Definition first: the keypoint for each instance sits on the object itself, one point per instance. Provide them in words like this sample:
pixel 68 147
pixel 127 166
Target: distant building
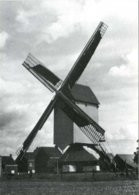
pixel 42 160
pixel 136 154
pixel 47 159
pixel 78 159
pixel 65 131
pixel 136 157
pixel 7 165
pixel 27 163
pixel 50 160
pixel 124 162
pixel 30 162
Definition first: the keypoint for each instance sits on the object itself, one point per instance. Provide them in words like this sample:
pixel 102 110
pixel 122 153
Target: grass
pixel 43 187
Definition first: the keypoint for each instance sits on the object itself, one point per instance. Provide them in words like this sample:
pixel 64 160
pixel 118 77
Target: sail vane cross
pixel 62 91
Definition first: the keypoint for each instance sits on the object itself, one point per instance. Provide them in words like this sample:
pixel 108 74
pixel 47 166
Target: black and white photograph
pixel 69 97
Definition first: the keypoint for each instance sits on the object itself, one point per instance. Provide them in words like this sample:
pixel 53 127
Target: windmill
pixel 63 97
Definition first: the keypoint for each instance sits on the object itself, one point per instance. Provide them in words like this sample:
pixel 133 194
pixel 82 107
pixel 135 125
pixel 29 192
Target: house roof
pixel 127 158
pixel 84 94
pixel 50 151
pixel 76 153
pixel 29 155
pixel 7 160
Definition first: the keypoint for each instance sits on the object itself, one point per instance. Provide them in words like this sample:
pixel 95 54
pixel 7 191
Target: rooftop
pixel 29 155
pixel 76 153
pixel 7 160
pixel 127 158
pixel 84 94
pixel 50 151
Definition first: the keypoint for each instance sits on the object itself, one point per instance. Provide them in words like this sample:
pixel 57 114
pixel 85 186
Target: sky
pixel 55 31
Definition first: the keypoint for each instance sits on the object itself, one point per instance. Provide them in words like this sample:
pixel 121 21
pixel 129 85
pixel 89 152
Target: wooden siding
pixel 63 129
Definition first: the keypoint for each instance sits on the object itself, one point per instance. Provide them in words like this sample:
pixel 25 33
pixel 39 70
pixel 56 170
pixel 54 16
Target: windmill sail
pixel 85 56
pixel 87 125
pixel 44 75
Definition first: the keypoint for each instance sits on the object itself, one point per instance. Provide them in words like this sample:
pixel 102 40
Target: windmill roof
pixel 84 94
pixel 128 158
pixel 76 153
pixel 50 151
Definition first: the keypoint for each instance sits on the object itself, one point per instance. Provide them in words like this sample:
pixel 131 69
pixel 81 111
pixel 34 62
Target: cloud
pixel 20 110
pixel 119 71
pixel 126 70
pixel 22 17
pixel 3 38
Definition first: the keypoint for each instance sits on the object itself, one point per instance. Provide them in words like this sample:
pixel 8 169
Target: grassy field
pixel 42 187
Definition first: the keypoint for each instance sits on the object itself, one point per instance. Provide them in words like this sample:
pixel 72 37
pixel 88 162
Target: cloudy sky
pixel 55 31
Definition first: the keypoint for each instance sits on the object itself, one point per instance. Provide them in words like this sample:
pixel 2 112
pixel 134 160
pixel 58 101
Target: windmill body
pixel 65 131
